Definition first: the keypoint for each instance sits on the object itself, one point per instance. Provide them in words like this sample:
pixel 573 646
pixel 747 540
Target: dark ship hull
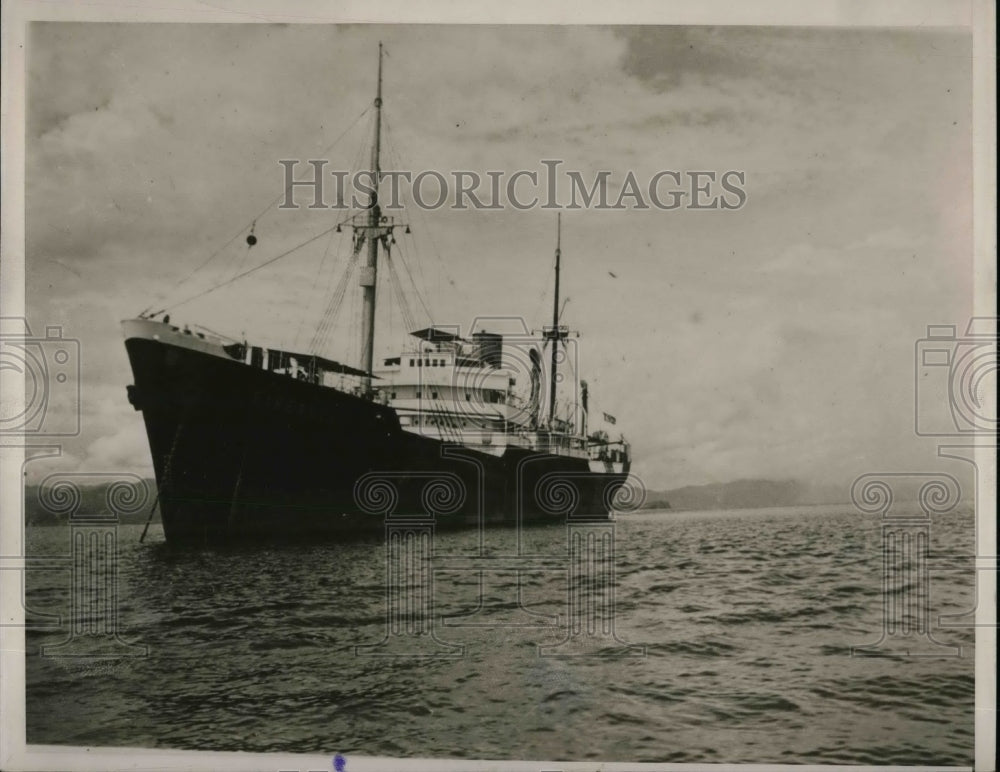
pixel 245 454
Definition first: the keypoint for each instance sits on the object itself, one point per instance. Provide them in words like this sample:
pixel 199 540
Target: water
pixel 747 618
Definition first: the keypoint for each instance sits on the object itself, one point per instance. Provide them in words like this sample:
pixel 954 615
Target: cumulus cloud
pixel 771 341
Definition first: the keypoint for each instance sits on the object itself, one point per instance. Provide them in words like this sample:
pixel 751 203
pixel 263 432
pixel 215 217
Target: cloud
pixel 664 57
pixel 770 341
pixel 122 451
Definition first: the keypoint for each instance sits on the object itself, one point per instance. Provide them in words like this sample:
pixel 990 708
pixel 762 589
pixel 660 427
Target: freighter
pixel 251 443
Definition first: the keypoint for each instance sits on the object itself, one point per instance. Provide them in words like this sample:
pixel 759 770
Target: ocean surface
pixel 747 619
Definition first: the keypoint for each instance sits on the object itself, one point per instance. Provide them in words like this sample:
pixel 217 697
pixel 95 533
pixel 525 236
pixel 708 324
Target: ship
pixel 253 444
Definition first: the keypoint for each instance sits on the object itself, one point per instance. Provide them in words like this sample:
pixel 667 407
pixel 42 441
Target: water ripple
pixel 748 619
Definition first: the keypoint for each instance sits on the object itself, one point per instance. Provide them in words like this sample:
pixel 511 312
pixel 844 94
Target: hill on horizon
pixel 745 494
pixel 738 494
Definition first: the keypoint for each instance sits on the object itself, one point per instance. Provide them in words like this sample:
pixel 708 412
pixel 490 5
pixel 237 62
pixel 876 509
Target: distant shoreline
pixel 739 494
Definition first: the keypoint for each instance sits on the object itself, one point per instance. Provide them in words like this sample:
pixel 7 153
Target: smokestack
pixel 488 348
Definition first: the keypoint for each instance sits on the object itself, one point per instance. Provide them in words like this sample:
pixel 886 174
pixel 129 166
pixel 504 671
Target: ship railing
pixel 557 443
pixel 447 424
pixel 614 451
pixel 221 337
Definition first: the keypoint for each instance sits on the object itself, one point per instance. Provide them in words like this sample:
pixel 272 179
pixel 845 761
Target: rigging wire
pixel 416 290
pixel 390 278
pixel 257 267
pixel 397 288
pixel 391 324
pixel 317 281
pixel 395 161
pixel 443 271
pixel 394 158
pixel 264 211
pixel 234 264
pixel 321 334
pixel 358 163
pixel 354 327
pixel 544 295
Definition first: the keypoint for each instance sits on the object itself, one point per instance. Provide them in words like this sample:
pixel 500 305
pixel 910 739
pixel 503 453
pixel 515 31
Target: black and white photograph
pixel 530 390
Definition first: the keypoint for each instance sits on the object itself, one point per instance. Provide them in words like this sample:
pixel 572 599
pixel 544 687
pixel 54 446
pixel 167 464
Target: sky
pixel 772 341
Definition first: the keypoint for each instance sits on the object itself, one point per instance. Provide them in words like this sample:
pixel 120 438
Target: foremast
pixel 369 273
pixel 370 230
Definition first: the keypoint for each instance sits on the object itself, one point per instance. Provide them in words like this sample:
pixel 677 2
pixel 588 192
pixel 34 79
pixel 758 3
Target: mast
pixel 369 273
pixel 555 327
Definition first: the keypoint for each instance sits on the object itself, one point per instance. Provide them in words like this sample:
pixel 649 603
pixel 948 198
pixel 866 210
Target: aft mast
pixel 555 326
pixel 556 332
pixel 369 272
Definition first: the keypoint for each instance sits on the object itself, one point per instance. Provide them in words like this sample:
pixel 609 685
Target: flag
pixel 609 418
